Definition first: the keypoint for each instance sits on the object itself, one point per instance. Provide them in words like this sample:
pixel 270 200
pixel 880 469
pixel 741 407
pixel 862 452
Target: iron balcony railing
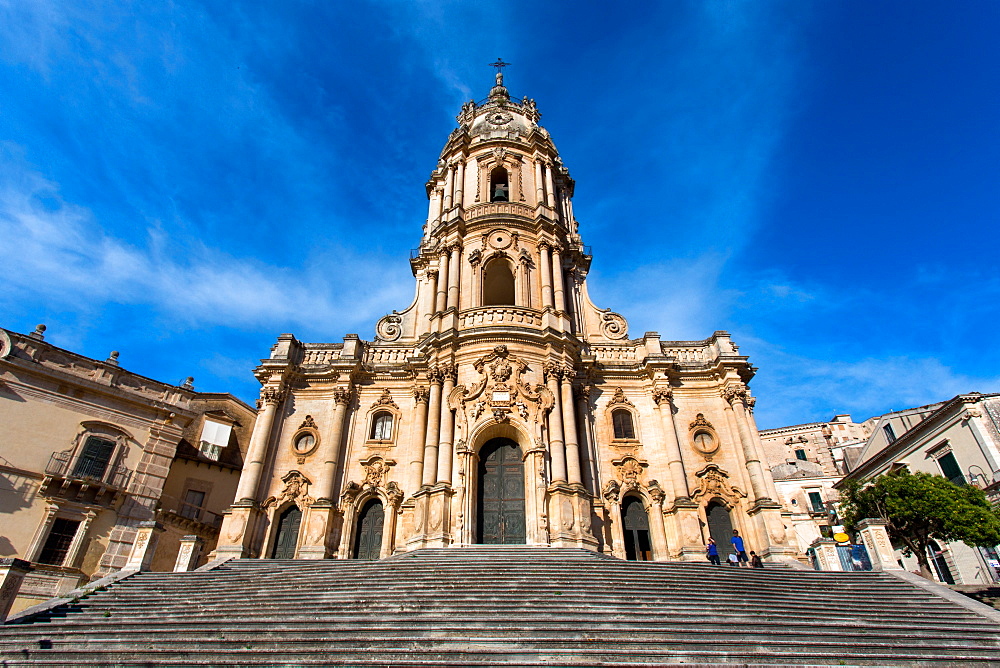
pixel 64 465
pixel 190 511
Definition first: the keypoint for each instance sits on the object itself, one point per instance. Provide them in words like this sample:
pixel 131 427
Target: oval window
pixel 305 443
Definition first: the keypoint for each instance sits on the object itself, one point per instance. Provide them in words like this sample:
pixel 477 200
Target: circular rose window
pixel 705 442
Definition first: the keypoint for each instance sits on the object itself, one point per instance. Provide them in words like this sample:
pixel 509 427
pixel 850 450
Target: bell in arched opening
pixel 499 185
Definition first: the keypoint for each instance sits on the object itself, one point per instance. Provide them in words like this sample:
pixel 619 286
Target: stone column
pixel 448 185
pixel 876 541
pixel 573 475
pixel 454 276
pixel 546 273
pixel 539 187
pixel 557 449
pixel 326 486
pixel 144 547
pixel 445 451
pixel 476 298
pixel 433 208
pixel 826 554
pixel 442 285
pixel 735 396
pixel 438 202
pixel 559 296
pixel 460 183
pixel 550 190
pixel 583 434
pixel 427 306
pixel 270 398
pixel 661 550
pixel 612 503
pixel 524 284
pixel 433 426
pixel 420 396
pixel 772 489
pixel 189 554
pixel 675 462
pixel 12 572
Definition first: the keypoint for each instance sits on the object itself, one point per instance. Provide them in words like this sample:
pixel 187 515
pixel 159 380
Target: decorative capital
pixel 583 392
pixel 735 393
pixel 270 396
pixel 342 395
pixel 420 394
pixel 544 245
pixel 663 395
pixel 552 370
pixel 448 371
pixel 656 492
pixel 611 491
pixel 751 402
pixel 434 375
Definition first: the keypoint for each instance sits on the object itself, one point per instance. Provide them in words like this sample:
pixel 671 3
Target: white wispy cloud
pixel 58 252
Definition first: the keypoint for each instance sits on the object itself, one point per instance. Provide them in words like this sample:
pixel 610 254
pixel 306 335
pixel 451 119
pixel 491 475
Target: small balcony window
pixel 192 506
pixel 94 459
pixel 622 421
pixel 800 454
pixel 816 502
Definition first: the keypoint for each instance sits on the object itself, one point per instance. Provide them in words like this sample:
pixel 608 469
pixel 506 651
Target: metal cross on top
pixel 499 65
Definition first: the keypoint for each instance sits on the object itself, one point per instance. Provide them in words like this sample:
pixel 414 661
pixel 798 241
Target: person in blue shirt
pixel 713 552
pixel 741 553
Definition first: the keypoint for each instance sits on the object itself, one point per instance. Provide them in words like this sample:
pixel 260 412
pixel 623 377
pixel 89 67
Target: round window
pixel 705 442
pixel 305 443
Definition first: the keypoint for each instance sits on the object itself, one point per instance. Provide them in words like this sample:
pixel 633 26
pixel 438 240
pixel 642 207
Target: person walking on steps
pixel 755 561
pixel 741 552
pixel 713 552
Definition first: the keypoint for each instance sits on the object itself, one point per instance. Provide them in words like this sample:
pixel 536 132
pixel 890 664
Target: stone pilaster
pixel 189 554
pixel 826 554
pixel 876 541
pixel 12 572
pixel 146 539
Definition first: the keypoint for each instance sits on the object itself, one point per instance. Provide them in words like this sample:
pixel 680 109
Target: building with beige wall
pixel 959 439
pixel 88 450
pixel 502 405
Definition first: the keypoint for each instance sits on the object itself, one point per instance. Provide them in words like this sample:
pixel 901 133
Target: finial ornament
pixel 499 65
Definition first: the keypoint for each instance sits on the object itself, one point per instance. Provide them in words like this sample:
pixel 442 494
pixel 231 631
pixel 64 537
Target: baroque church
pixel 502 406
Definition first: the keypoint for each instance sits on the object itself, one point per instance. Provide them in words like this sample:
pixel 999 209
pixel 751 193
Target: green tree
pixel 919 508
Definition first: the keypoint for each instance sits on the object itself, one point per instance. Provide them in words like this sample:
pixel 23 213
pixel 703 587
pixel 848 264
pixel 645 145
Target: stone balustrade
pixel 501 315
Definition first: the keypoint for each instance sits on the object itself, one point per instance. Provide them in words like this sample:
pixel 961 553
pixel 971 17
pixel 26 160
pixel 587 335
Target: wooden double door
pixel 500 497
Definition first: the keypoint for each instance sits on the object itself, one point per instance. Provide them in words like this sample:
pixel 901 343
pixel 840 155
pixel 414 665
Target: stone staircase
pixel 490 606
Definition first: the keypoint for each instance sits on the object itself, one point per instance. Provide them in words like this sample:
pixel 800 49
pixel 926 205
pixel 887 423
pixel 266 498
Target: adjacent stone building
pixel 502 405
pixel 89 451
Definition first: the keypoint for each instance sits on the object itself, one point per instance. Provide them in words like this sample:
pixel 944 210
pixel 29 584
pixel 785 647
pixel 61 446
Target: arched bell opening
pixel 368 533
pixel 635 527
pixel 500 499
pixel 286 537
pixel 499 185
pixel 720 526
pixel 498 283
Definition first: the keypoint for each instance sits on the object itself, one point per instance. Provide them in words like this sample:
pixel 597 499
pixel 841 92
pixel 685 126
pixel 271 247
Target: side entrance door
pixel 368 539
pixel 501 493
pixel 288 534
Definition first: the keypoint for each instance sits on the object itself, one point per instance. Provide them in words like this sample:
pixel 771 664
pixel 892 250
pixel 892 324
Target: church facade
pixel 502 405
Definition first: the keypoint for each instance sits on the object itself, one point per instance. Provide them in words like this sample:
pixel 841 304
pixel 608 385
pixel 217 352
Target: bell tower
pixel 502 405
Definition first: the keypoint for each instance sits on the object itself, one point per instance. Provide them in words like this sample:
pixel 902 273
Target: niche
pixel 498 283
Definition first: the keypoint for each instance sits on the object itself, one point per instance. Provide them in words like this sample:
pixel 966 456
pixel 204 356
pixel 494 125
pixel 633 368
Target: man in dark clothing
pixel 755 561
pixel 741 553
pixel 713 552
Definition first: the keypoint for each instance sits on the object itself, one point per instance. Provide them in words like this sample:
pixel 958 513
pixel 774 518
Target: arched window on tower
pixel 622 420
pixel 499 185
pixel 498 283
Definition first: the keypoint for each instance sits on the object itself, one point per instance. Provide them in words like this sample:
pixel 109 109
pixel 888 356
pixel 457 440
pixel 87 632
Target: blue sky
pixel 184 181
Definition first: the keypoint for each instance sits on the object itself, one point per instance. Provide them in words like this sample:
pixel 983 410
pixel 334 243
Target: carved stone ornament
pixel 270 396
pixel 420 394
pixel 619 398
pixel 612 491
pixel 342 395
pixel 385 400
pixel 308 423
pixel 656 492
pixel 714 482
pixel 376 471
pixel 700 421
pixel 630 471
pixel 296 490
pixel 394 495
pixel 735 393
pixel 663 395
pixel 613 325
pixel 388 328
pixel 501 391
pixel 351 491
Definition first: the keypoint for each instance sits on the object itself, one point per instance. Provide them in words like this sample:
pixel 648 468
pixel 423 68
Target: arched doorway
pixel 368 537
pixel 288 533
pixel 720 527
pixel 500 494
pixel 635 526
